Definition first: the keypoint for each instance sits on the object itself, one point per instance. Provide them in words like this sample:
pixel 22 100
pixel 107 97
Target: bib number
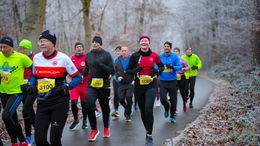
pixel 167 69
pixel 5 76
pixel 25 81
pixel 187 77
pixel 178 77
pixel 97 82
pixel 45 85
pixel 145 80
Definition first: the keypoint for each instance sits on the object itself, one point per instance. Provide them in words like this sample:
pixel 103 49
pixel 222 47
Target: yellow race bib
pixel 97 82
pixel 187 77
pixel 45 85
pixel 145 80
pixel 167 69
pixel 25 81
pixel 5 76
pixel 178 76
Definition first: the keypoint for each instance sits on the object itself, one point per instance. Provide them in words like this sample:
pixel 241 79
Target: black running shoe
pixel 149 140
pixel 74 125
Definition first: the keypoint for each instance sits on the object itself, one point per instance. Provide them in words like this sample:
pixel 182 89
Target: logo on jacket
pixel 82 63
pixel 54 63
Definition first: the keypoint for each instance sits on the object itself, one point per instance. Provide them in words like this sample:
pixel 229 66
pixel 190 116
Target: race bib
pixel 167 69
pixel 187 78
pixel 97 82
pixel 178 76
pixel 45 85
pixel 5 76
pixel 25 81
pixel 145 80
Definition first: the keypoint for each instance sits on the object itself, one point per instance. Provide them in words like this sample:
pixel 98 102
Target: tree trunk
pixel 34 21
pixel 87 26
pixel 141 20
pixel 102 17
pixel 125 17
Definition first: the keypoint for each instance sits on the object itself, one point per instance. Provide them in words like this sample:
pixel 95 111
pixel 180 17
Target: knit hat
pixel 97 39
pixel 143 37
pixel 170 44
pixel 26 44
pixel 78 43
pixel 188 48
pixel 7 40
pixel 49 36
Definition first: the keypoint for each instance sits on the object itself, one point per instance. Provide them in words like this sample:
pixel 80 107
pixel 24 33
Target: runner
pixel 168 82
pixel 80 91
pixel 195 64
pixel 142 65
pixel 115 85
pixel 125 83
pixel 99 64
pixel 25 47
pixel 12 66
pixel 181 79
pixel 50 68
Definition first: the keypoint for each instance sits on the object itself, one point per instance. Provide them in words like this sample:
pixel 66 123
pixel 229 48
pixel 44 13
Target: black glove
pixel 29 89
pixel 80 70
pixel 169 66
pixel 138 69
pixel 60 90
pixel 154 72
pixel 194 67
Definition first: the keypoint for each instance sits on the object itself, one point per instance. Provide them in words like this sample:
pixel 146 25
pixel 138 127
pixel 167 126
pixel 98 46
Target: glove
pixel 80 70
pixel 60 90
pixel 29 89
pixel 154 72
pixel 169 66
pixel 194 67
pixel 138 69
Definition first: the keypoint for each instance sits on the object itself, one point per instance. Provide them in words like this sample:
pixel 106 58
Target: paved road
pixel 133 134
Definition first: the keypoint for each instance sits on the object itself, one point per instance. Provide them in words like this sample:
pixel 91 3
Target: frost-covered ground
pixel 232 116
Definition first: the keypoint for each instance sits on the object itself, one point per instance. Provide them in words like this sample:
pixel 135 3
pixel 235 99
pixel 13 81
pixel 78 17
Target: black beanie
pixel 97 39
pixel 170 44
pixel 49 36
pixel 78 43
pixel 7 40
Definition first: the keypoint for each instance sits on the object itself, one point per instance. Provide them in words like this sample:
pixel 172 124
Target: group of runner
pixel 26 77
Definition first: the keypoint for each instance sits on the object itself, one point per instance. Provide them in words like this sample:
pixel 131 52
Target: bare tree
pixel 86 23
pixel 34 20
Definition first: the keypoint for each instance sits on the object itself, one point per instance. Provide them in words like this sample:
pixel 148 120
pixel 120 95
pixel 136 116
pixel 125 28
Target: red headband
pixel 143 37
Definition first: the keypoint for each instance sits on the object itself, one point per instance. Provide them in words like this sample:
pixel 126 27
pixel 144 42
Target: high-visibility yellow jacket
pixel 192 60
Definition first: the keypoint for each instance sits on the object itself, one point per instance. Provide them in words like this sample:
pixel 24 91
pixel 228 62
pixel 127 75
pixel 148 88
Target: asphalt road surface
pixel 133 133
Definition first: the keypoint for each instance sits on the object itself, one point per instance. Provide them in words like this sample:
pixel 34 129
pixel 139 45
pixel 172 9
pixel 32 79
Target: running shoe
pixel 166 114
pixel 14 144
pixel 191 106
pixel 115 114
pixel 149 140
pixel 84 124
pixel 93 135
pixel 29 140
pixel 136 107
pixel 106 132
pixel 25 143
pixel 172 120
pixel 74 125
pixel 185 108
pixel 128 119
